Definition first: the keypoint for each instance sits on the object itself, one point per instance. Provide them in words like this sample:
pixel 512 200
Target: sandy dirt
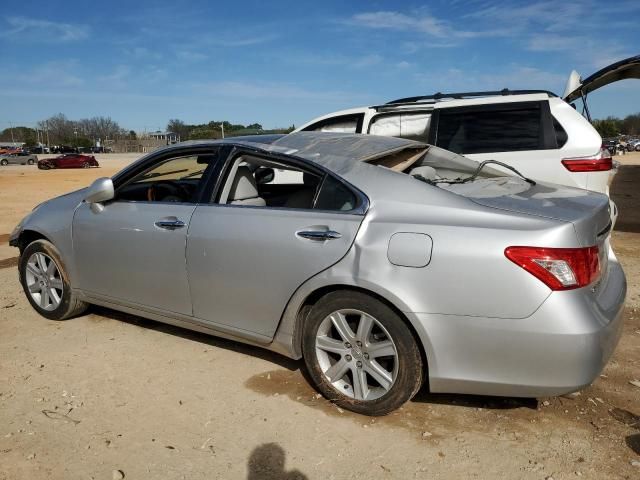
pixel 109 395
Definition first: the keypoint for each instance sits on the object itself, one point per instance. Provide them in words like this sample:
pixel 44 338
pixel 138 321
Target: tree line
pixel 215 129
pixel 614 126
pixel 60 130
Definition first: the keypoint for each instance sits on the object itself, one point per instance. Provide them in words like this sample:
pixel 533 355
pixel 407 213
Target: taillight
pixel 558 268
pixel 598 163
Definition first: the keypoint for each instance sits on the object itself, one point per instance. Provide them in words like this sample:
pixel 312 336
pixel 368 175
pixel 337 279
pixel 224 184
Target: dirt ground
pixel 110 395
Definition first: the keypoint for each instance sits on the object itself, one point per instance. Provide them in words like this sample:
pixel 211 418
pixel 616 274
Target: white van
pixel 540 134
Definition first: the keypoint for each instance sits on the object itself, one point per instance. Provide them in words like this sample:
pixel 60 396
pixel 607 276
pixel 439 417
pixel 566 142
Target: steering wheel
pixel 167 191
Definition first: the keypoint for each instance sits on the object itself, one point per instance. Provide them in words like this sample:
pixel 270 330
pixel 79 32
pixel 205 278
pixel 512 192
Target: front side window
pixel 260 182
pixel 412 126
pixel 488 129
pixel 176 179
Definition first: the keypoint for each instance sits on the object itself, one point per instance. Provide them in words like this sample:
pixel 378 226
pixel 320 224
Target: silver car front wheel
pixel 43 281
pixel 360 353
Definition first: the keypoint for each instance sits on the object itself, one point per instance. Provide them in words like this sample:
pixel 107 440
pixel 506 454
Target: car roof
pixel 334 151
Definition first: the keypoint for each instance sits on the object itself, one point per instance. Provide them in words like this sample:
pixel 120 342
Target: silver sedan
pixel 384 263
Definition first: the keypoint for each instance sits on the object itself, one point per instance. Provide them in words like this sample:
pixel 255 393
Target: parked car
pixel 381 261
pixel 64 149
pixel 613 146
pixel 633 145
pixel 18 158
pixel 39 149
pixel 69 160
pixel 534 131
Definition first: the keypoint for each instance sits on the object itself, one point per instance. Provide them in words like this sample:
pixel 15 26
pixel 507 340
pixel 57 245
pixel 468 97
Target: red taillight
pixel 598 163
pixel 558 268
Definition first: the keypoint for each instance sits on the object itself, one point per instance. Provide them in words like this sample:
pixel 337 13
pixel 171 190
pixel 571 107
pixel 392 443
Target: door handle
pixel 169 223
pixel 319 234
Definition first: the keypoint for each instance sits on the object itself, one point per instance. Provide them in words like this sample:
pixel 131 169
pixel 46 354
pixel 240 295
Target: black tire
pixel 409 374
pixel 30 162
pixel 70 306
pixel 86 165
pixel 4 162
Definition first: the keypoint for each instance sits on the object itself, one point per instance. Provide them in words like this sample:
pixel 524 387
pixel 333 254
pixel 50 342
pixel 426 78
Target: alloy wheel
pixel 356 354
pixel 44 281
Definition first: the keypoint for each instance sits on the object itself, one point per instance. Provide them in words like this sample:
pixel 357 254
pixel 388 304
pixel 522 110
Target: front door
pixel 248 253
pixel 133 251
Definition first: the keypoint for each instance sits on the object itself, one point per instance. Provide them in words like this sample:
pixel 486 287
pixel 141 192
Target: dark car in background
pixel 70 160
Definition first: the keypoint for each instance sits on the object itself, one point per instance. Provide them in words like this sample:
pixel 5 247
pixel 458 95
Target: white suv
pixel 541 135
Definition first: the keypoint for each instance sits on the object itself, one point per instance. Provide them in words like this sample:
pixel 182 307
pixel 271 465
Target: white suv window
pixel 507 128
pixel 341 124
pixel 413 126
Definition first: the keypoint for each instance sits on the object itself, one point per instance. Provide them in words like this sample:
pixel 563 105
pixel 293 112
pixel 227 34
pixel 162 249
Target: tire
pixel 638 148
pixel 328 353
pixel 55 300
pixel 30 162
pixel 86 165
pixel 4 162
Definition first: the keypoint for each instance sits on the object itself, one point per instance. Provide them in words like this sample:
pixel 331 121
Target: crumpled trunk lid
pixel 588 211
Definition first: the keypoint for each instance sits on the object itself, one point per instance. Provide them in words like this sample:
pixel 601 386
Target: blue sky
pixel 281 63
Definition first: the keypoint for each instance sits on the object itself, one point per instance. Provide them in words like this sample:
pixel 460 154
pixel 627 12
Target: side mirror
pixel 101 190
pixel 264 175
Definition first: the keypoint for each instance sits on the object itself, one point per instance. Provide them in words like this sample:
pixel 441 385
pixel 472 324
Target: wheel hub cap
pixel 356 354
pixel 44 281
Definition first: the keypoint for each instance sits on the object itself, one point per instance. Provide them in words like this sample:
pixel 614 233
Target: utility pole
pixel 11 128
pixel 222 128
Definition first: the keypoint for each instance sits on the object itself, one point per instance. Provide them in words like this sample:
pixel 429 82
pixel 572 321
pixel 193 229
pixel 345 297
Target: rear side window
pixel 561 134
pixel 412 126
pixel 335 196
pixel 501 128
pixel 341 124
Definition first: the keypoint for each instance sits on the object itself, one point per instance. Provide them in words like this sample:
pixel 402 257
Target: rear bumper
pixel 559 349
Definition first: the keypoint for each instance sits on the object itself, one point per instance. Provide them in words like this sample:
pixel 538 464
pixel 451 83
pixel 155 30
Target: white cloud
pixel 367 61
pixel 190 56
pixel 271 91
pixel 25 28
pixel 512 77
pixel 423 23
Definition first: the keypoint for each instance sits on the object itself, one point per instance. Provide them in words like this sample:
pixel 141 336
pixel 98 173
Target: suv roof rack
pixel 460 95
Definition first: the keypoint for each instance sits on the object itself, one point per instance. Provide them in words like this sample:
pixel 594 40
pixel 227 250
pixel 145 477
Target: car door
pixel 133 251
pixel 247 255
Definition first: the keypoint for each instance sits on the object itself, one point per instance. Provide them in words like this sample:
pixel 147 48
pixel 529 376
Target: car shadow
pixel 625 193
pixel 474 401
pixel 194 336
pixel 297 366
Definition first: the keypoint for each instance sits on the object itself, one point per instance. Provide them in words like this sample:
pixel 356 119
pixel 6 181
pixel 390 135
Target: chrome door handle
pixel 169 223
pixel 319 234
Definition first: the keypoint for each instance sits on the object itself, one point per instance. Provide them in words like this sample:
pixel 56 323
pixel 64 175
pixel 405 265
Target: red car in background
pixel 70 160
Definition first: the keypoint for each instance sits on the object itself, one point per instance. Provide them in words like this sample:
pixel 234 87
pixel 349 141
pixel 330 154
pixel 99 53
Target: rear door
pixel 622 70
pixel 248 251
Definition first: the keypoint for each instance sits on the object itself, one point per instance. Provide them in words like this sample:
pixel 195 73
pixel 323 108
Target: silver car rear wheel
pixel 356 354
pixel 360 353
pixel 44 281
